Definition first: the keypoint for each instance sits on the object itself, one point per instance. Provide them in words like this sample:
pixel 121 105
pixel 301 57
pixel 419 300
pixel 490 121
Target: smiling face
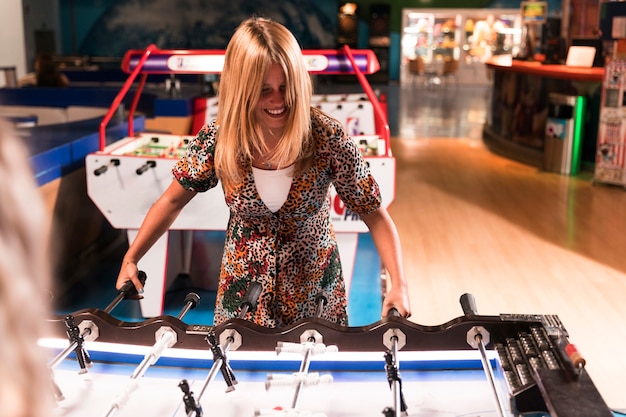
pixel 264 110
pixel 271 110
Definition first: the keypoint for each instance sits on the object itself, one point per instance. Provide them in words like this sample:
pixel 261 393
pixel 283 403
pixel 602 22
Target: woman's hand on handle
pixel 397 299
pixel 129 271
pixel 159 218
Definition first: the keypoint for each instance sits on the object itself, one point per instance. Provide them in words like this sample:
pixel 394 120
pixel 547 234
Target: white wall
pixel 12 48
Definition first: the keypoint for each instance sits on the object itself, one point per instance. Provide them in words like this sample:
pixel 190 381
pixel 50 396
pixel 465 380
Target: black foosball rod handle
pixel 128 290
pixel 248 303
pixel 321 300
pixel 468 303
pixel 145 167
pixel 104 168
pixel 191 301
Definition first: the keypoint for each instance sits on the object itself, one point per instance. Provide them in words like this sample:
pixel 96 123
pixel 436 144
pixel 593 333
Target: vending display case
pixel 468 36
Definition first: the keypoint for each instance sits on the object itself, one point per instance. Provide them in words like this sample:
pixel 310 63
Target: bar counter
pixel 519 105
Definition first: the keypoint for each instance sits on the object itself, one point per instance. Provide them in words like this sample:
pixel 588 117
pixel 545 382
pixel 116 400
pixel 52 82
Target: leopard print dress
pixel 292 252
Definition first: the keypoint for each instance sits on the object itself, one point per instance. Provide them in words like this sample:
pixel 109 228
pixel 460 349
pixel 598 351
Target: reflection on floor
pixel 442 112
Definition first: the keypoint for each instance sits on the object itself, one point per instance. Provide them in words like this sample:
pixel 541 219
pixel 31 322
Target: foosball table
pixel 473 365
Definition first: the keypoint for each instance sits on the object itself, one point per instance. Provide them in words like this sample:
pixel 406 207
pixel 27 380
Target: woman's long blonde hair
pixel 255 46
pixel 25 381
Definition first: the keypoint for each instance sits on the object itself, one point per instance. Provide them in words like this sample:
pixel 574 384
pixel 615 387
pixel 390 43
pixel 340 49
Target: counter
pixel 518 108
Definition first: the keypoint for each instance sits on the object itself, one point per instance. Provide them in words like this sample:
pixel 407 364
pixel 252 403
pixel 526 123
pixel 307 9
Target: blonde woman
pixel 25 381
pixel 276 158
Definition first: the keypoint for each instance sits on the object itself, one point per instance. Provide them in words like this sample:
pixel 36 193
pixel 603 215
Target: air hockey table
pixel 163 366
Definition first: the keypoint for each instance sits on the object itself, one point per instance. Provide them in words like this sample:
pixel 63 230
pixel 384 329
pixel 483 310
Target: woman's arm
pixel 157 221
pixel 387 243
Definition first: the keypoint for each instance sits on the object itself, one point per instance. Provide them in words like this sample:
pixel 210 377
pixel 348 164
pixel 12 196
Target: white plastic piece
pixel 302 348
pixel 166 338
pixel 308 379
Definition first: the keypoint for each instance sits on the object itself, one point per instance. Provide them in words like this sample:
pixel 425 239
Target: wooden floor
pixel 519 239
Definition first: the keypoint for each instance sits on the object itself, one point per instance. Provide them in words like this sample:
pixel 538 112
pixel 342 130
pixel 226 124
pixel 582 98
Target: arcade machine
pixel 124 178
pixel 520 365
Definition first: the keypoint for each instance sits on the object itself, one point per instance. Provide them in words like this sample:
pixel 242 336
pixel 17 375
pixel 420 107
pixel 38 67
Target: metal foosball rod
pixel 303 377
pixel 478 337
pixel 396 382
pixel 304 369
pixel 165 338
pixel 393 375
pixel 220 362
pixel 77 337
pixel 321 299
pixel 310 344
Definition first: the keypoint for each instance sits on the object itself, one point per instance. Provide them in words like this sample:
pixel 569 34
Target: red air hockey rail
pixel 126 177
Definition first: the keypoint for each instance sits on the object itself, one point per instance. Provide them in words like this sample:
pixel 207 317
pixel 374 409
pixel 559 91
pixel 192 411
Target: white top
pixel 273 186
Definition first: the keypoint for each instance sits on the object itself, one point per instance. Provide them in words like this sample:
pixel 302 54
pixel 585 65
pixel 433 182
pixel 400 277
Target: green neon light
pixel 578 135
